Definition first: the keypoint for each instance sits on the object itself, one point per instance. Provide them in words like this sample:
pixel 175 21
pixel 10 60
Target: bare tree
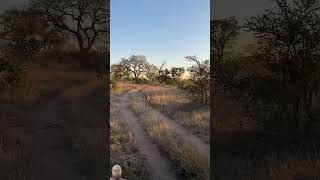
pixel 85 19
pixel 160 70
pixel 136 64
pixel 28 35
pixel 224 32
pixel 151 72
pixel 200 71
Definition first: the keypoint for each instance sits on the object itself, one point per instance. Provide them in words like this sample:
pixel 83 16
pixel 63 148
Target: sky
pixel 162 30
pixel 169 29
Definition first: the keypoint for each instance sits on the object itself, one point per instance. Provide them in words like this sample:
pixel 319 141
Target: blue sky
pixel 160 29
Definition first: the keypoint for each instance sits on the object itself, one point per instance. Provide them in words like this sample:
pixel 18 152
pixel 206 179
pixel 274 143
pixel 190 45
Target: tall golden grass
pixel 180 108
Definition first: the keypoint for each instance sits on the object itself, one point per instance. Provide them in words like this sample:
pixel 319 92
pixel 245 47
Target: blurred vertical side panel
pixel 265 85
pixel 54 89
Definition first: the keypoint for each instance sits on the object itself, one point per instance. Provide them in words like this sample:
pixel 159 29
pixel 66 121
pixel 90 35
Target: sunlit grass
pixel 192 164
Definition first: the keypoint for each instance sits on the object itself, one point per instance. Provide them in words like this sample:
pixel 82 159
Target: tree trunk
pixel 309 123
pixel 293 123
pixel 84 57
pixel 135 76
pixel 307 128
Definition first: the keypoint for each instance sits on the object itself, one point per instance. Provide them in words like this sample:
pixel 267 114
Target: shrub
pixel 11 74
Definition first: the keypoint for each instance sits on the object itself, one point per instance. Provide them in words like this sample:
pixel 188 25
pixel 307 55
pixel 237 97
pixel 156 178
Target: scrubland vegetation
pixel 167 92
pixel 265 117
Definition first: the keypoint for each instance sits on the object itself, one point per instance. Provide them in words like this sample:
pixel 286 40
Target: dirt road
pixel 202 147
pixel 159 166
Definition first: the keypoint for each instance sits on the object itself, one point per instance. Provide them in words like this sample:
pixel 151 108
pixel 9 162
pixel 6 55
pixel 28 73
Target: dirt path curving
pixel 159 166
pixel 202 147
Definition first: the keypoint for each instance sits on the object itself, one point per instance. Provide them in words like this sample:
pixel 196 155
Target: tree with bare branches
pixel 289 49
pixel 135 64
pixel 160 70
pixel 86 20
pixel 224 32
pixel 28 35
pixel 200 72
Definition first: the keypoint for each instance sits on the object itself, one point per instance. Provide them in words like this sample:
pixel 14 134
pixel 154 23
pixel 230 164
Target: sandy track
pixel 159 166
pixel 202 147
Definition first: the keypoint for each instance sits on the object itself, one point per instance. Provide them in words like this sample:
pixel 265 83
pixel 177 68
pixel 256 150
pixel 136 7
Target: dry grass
pixel 41 86
pixel 40 83
pixel 15 160
pixel 119 88
pixel 293 165
pixel 84 134
pixel 242 152
pixel 191 164
pixel 15 156
pixel 122 150
pixel 175 104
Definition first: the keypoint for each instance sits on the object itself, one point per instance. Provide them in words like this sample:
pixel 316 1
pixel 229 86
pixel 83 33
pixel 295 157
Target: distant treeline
pixel 137 68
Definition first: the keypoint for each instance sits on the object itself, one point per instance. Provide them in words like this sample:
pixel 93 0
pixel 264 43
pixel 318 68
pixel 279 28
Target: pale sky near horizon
pixel 160 29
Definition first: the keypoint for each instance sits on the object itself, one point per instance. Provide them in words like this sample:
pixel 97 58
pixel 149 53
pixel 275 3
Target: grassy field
pixel 44 110
pixel 179 107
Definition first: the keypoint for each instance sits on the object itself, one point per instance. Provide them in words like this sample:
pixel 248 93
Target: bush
pixel 194 90
pixel 11 74
pixel 166 80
